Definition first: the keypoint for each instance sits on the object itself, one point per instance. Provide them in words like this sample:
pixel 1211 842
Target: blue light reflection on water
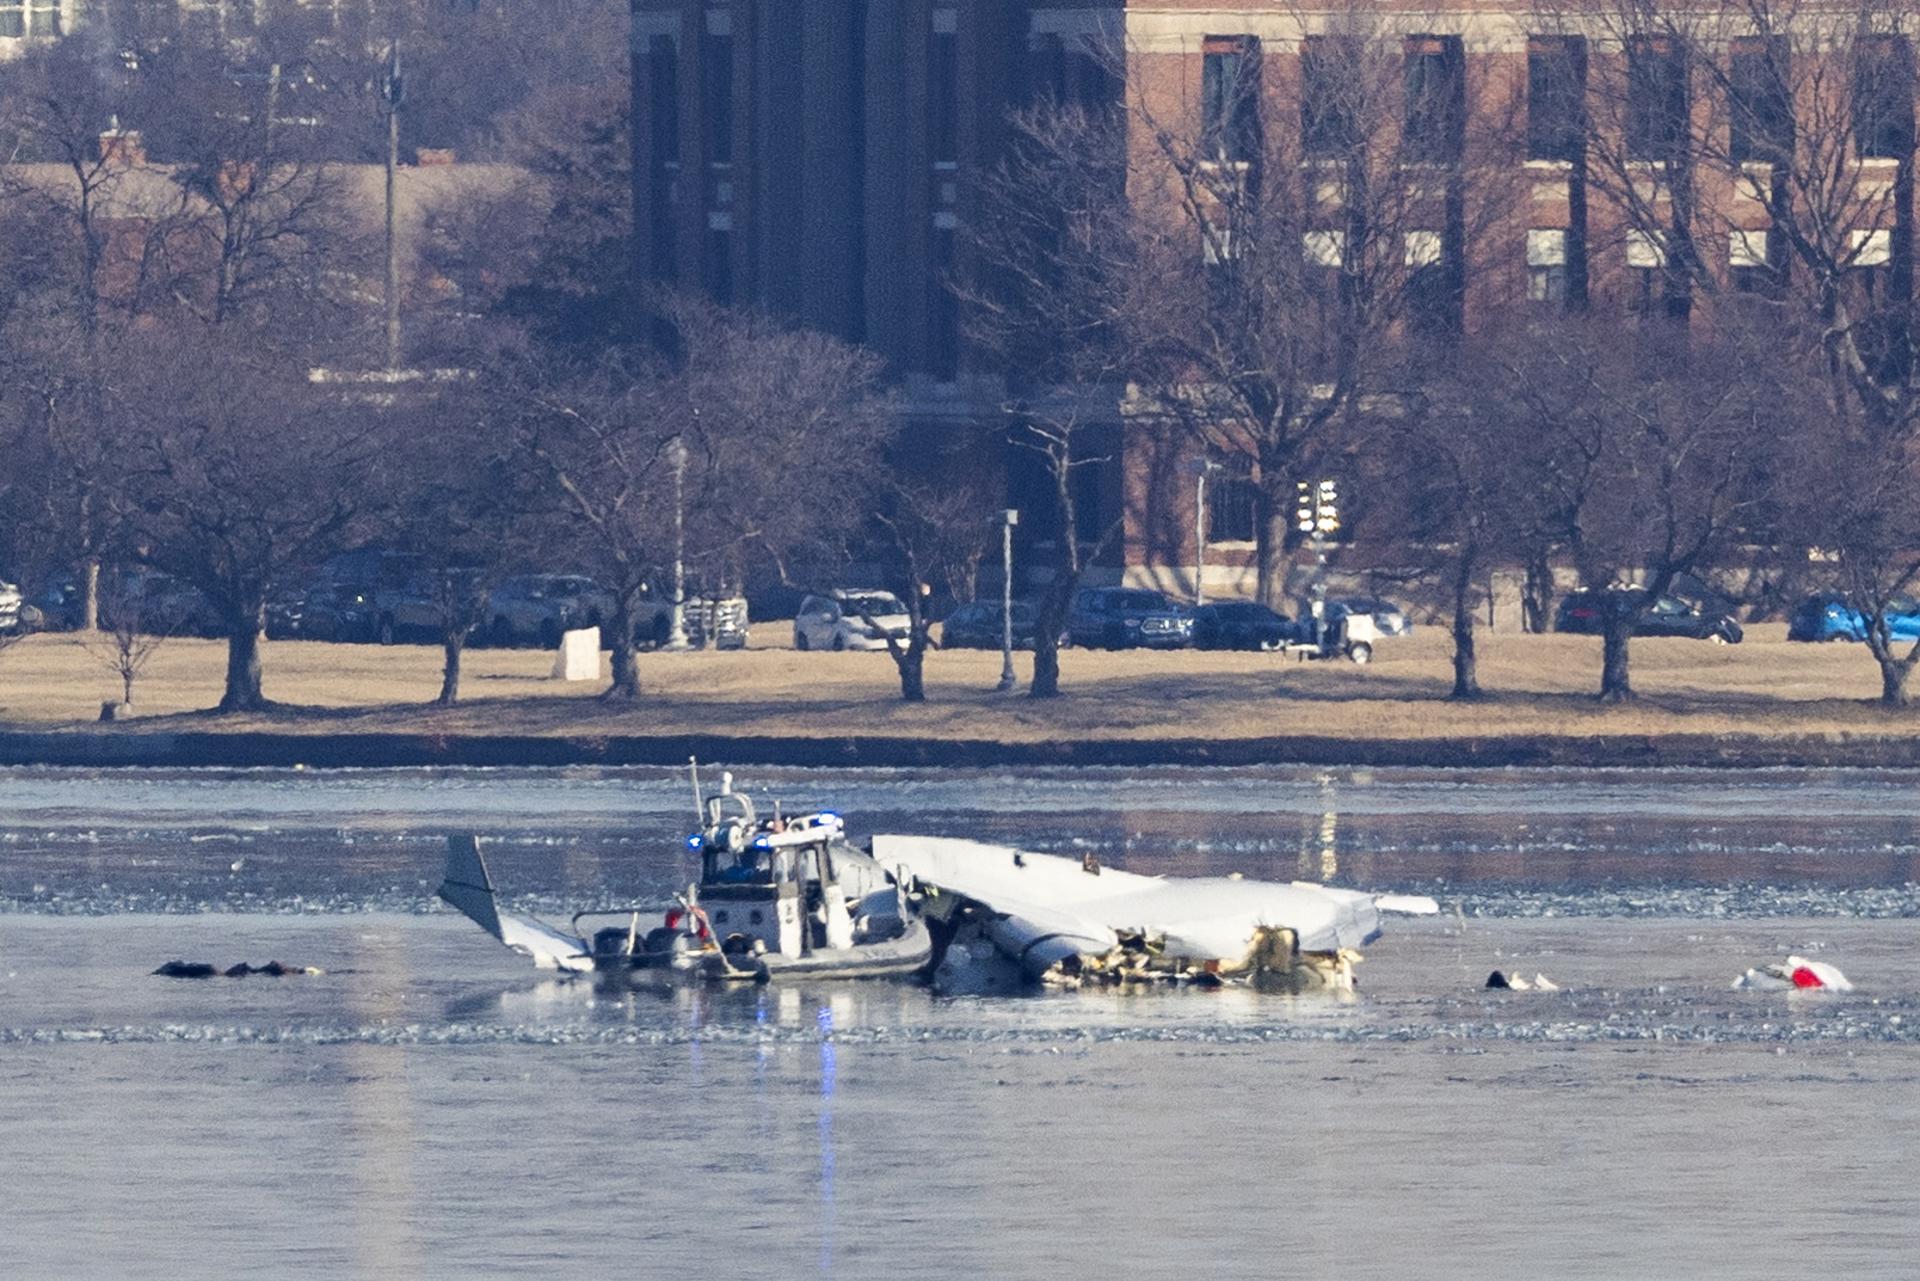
pixel 823 1020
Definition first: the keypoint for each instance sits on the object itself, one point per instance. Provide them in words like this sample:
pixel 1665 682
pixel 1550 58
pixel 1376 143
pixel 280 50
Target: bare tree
pixel 780 430
pixel 928 529
pixel 129 641
pixel 1659 459
pixel 1051 244
pixel 231 474
pixel 1784 130
pixel 1460 481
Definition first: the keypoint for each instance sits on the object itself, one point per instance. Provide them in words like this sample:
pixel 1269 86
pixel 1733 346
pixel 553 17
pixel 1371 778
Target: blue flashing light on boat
pixel 695 841
pixel 762 843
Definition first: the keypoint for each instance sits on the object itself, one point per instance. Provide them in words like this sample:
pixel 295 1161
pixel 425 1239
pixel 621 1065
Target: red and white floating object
pixel 1795 972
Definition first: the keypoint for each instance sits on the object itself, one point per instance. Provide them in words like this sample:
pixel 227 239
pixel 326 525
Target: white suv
pixel 835 621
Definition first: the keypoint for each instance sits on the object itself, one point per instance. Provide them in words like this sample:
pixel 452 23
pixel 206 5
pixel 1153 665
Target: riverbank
pixel 1766 702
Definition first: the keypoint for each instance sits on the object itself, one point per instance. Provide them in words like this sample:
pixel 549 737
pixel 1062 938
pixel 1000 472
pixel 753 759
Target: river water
pixel 428 1107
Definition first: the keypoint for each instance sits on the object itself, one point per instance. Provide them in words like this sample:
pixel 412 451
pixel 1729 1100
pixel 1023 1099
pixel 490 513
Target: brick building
pixel 818 156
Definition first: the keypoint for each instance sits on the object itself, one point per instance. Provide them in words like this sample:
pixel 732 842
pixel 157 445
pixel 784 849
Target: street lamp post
pixel 1008 519
pixel 677 459
pixel 1201 469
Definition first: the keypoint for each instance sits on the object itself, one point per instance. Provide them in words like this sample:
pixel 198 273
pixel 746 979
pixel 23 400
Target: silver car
pixel 9 607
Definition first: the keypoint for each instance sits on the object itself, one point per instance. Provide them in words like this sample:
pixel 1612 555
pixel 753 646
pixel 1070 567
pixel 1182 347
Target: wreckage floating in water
pixel 776 898
pixel 1069 922
pixel 1797 973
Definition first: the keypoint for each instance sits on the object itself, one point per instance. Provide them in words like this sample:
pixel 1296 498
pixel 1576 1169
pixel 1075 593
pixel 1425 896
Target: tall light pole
pixel 392 91
pixel 1008 519
pixel 1201 469
pixel 677 459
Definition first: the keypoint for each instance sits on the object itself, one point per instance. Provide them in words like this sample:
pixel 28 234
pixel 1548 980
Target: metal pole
pixel 677 456
pixel 1200 537
pixel 1008 519
pixel 392 92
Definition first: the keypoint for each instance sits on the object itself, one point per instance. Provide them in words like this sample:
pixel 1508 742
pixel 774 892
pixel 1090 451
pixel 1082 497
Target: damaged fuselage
pixel 1072 922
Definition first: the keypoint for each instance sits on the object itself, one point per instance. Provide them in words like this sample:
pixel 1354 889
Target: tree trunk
pixel 912 664
pixel 1615 687
pixel 626 664
pixel 243 669
pixel 1894 669
pixel 1046 668
pixel 90 594
pixel 1466 674
pixel 1893 683
pixel 1048 623
pixel 453 647
pixel 1536 595
pixel 1270 525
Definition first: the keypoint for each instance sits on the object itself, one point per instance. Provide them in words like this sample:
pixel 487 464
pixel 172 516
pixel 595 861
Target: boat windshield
pixel 747 867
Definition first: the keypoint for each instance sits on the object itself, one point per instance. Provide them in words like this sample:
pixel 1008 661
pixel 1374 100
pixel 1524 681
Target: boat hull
pixel 903 956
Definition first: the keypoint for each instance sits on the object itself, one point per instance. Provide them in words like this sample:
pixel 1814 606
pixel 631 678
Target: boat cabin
pixel 772 885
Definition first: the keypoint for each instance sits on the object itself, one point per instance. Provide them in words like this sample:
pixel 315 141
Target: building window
pixel 1435 105
pixel 1323 253
pixel 943 307
pixel 1232 504
pixel 943 88
pixel 1751 261
pixel 22 18
pixel 716 86
pixel 717 263
pixel 1433 304
pixel 663 73
pixel 1063 71
pixel 1761 128
pixel 1657 293
pixel 1547 266
pixel 1883 98
pixel 1556 97
pixel 1329 72
pixel 1656 100
pixel 1230 99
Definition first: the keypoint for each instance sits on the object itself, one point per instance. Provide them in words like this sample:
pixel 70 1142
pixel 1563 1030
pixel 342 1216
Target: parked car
pixel 537 608
pixel 1241 624
pixel 1832 617
pixel 10 603
pixel 1126 617
pixel 1582 613
pixel 978 626
pixel 407 594
pixel 159 604
pixel 60 606
pixel 719 621
pixel 840 620
pixel 1388 618
pixel 325 612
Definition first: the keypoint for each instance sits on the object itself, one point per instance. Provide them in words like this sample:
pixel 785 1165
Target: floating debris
pixel 203 970
pixel 1796 972
pixel 1520 983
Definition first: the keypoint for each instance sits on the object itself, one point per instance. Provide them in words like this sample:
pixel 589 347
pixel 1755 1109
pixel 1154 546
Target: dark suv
pixel 1127 617
pixel 1583 612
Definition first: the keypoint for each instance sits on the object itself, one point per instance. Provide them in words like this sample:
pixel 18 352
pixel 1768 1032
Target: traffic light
pixel 1316 508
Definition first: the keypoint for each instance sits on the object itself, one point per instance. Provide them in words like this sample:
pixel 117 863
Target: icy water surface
pixel 427 1108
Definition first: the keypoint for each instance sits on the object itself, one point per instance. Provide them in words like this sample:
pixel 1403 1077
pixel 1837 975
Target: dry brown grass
pixel 1539 685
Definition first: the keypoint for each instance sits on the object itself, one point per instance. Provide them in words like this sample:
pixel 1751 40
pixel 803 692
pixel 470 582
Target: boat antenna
pixel 699 804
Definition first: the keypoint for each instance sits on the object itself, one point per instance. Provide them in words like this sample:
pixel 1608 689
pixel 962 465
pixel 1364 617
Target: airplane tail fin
pixel 468 888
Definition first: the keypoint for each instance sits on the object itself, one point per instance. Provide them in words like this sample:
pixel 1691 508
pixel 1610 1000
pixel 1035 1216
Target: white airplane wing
pixel 1048 908
pixel 468 887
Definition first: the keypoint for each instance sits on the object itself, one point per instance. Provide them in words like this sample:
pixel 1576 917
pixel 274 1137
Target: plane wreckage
pixel 1009 915
pixel 791 897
